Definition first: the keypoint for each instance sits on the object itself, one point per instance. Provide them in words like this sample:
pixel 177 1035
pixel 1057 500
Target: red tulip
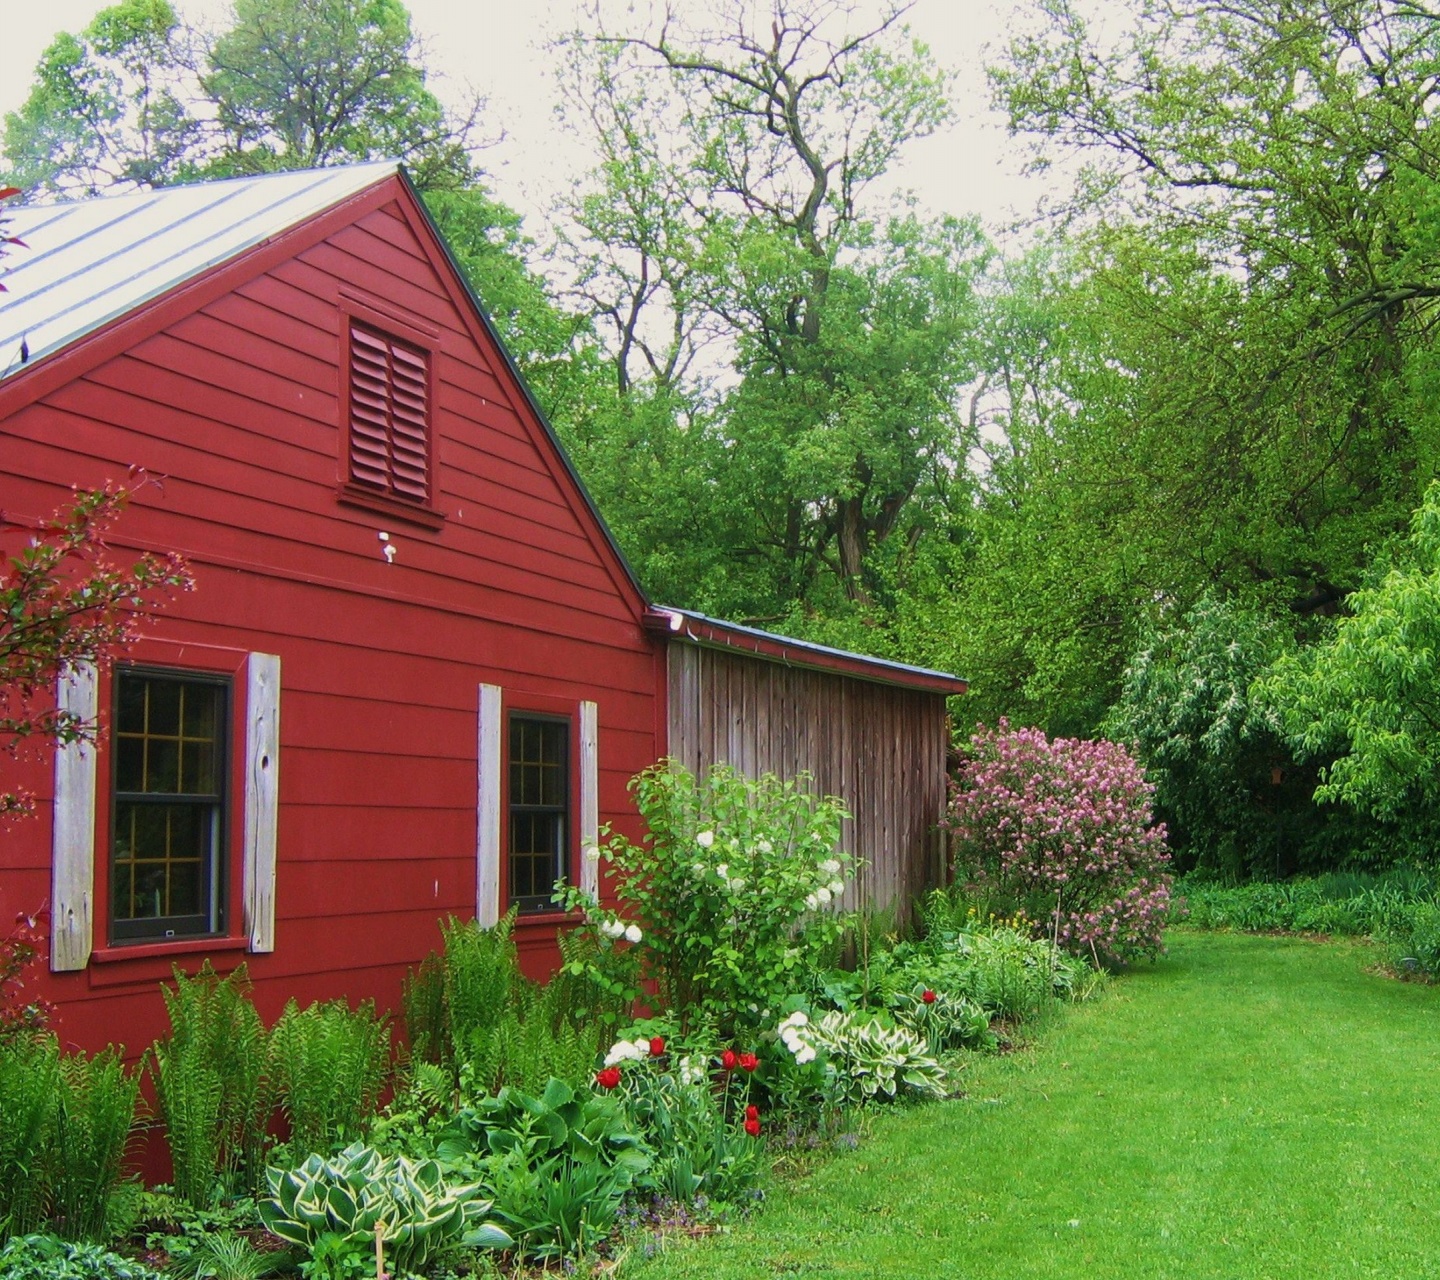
pixel 728 1060
pixel 752 1112
pixel 749 1062
pixel 752 1126
pixel 608 1078
pixel 657 1046
pixel 928 996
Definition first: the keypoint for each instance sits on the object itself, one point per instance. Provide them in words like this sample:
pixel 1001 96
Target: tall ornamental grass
pixel 1064 829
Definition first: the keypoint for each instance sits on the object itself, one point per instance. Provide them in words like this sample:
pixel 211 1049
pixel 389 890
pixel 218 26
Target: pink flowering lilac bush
pixel 1065 828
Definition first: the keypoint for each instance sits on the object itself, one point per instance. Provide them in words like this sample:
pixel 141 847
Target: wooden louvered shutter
pixel 389 415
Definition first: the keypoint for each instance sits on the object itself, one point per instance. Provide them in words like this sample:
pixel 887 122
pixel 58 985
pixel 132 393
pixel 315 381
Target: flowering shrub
pixel 20 1013
pixel 1064 827
pixel 726 897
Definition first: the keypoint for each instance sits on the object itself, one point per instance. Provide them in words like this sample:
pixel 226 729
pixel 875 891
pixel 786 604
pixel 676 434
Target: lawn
pixel 1246 1107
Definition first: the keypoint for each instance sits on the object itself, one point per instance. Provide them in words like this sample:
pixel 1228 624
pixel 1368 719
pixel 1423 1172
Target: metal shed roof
pixel 91 261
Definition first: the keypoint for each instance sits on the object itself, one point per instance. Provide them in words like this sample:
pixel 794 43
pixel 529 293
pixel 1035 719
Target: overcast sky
pixel 498 47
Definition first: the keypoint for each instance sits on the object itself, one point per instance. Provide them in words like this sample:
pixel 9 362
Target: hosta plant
pixel 346 1199
pixel 866 1061
pixel 945 1020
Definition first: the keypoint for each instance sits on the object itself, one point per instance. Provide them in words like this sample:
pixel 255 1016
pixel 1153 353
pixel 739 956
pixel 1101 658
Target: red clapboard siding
pixel 235 403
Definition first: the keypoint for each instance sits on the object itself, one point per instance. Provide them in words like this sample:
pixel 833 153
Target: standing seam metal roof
pixel 91 261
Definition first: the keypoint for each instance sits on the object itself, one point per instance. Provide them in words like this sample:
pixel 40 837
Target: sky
pixel 971 167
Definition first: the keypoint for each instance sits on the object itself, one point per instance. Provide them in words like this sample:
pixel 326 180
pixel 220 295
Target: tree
pixel 62 603
pixel 727 243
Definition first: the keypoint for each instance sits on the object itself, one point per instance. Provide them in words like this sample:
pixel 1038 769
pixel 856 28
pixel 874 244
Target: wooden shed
pixel 874 733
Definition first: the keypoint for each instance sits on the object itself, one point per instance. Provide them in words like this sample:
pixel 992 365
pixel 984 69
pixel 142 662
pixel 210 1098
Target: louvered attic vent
pixel 389 415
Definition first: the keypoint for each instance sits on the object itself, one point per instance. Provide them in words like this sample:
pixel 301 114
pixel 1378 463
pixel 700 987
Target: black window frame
pixel 214 877
pixel 535 903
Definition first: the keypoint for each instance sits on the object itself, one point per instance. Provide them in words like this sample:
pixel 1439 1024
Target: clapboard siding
pixel 880 748
pixel 234 404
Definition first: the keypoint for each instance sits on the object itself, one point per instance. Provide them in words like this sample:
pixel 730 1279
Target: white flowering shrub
pixel 727 894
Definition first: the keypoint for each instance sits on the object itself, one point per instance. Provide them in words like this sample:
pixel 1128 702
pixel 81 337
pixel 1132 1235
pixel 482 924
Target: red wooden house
pixel 415 674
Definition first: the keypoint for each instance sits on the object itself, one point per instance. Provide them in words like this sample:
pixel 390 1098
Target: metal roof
pixel 91 261
pixel 696 628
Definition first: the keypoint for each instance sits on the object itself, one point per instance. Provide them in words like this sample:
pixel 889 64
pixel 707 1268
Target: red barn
pixel 415 674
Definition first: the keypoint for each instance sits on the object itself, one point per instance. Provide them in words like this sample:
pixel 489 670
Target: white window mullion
pixel 487 807
pixel 72 865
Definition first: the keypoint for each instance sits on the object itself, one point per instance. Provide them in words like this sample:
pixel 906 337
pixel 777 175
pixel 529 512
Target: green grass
pixel 1246 1107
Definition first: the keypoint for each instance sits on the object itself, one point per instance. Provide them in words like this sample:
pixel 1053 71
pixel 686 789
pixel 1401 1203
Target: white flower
pixel 626 1051
pixel 698 870
pixel 705 839
pixel 765 846
pixel 831 866
pixel 736 884
pixel 796 1019
pixel 822 895
pixel 592 854
pixel 811 901
pixel 691 1072
pixel 837 886
pixel 613 928
pixel 722 869
pixel 632 933
pixel 807 1054
pixel 641 1046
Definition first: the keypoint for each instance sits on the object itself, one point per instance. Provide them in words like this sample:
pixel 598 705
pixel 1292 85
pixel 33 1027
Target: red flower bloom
pixel 752 1112
pixel 928 996
pixel 749 1062
pixel 657 1046
pixel 752 1126
pixel 728 1060
pixel 608 1078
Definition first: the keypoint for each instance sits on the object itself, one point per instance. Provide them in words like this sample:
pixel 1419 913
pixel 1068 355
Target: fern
pixel 481 974
pixel 422 1001
pixel 94 1114
pixel 29 1086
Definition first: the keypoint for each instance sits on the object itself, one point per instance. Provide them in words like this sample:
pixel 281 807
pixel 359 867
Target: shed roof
pixel 91 261
pixel 696 628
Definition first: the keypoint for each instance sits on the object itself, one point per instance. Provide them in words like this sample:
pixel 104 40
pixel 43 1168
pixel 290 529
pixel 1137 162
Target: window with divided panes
pixel 539 808
pixel 389 415
pixel 168 805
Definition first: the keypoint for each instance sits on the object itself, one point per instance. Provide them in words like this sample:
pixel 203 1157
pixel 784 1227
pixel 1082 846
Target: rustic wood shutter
pixel 389 415
pixel 487 806
pixel 262 797
pixel 589 797
pixel 72 870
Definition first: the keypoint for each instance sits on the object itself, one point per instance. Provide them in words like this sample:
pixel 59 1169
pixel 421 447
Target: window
pixel 168 805
pixel 539 808
pixel 389 439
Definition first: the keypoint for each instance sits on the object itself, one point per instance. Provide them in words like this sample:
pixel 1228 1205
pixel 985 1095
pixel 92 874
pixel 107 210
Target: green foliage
pixel 868 1061
pixel 1372 690
pixel 481 972
pixel 422 1005
pixel 1410 934
pixel 527 1047
pixel 29 1086
pixel 1207 746
pixel 1346 903
pixel 43 1257
pixel 559 1165
pixel 211 1084
pixel 729 888
pixel 221 1256
pixel 328 1065
pixel 339 1205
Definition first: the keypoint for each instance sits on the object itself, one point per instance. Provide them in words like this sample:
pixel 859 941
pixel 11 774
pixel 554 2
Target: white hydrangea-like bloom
pixel 641 1046
pixel 736 884
pixel 764 846
pixel 698 870
pixel 793 1034
pixel 837 886
pixel 705 839
pixel 806 1054
pixel 831 866
pixel 626 1051
pixel 613 928
pixel 691 1071
pixel 811 901
pixel 823 895
pixel 592 854
pixel 633 933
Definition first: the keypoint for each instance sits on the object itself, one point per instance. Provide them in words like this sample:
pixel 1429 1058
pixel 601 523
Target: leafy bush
pixel 559 1164
pixel 726 897
pixel 1410 935
pixel 1064 826
pixel 865 1060
pixel 211 1084
pixel 328 1065
pixel 21 1013
pixel 334 1208
pixel 1341 903
pixel 44 1257
pixel 63 1137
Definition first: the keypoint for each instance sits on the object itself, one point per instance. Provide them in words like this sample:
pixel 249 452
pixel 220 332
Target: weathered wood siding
pixel 878 747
